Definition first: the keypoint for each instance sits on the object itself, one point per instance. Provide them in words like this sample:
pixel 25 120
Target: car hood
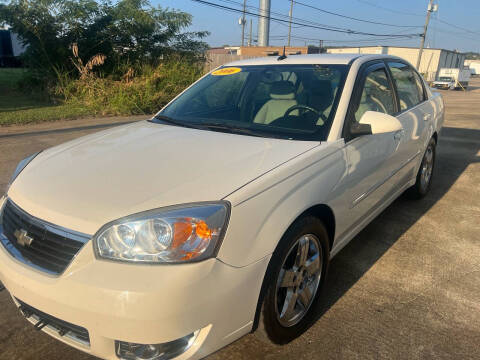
pixel 85 183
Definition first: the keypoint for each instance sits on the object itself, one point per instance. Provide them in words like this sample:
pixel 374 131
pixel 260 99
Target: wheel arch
pixel 326 215
pixel 321 211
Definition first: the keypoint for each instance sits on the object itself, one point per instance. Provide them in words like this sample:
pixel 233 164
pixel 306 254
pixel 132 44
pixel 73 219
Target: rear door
pixel 415 114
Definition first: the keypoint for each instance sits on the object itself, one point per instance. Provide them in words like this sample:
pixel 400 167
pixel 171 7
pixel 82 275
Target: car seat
pixel 282 97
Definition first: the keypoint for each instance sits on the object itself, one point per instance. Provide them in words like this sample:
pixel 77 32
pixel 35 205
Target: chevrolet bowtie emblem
pixel 22 238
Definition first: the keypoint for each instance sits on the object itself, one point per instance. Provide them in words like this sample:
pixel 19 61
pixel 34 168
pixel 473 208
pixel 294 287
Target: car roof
pixel 324 59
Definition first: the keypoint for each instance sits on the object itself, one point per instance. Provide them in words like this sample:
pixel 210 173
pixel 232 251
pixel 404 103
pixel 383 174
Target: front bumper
pixel 141 303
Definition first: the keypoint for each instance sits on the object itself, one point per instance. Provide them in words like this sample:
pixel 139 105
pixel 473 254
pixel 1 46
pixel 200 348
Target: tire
pixel 296 276
pixel 425 173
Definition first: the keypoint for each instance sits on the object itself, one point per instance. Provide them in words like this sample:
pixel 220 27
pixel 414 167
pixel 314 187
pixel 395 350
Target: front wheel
pixel 425 173
pixel 297 273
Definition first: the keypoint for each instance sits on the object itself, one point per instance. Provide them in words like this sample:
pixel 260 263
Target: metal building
pixel 432 59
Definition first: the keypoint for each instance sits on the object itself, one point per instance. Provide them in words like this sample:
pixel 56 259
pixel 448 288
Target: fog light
pixel 132 351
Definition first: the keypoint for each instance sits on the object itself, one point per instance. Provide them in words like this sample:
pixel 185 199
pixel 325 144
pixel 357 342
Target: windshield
pixel 284 101
pixel 445 78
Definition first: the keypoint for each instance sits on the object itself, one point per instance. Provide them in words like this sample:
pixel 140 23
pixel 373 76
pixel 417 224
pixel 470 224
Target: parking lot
pixel 407 287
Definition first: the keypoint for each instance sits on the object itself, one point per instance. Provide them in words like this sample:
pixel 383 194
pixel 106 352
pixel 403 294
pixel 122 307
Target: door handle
pixel 427 117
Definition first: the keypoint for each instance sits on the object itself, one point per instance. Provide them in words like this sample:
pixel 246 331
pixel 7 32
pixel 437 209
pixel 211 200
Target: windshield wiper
pixel 231 129
pixel 216 126
pixel 169 120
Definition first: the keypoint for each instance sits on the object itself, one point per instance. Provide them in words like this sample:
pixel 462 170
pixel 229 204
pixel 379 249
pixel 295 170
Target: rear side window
pixel 376 95
pixel 409 85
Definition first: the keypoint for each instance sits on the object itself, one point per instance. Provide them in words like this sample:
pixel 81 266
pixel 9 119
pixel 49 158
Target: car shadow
pixel 457 149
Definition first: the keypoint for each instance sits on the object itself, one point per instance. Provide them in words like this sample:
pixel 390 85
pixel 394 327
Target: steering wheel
pixel 304 107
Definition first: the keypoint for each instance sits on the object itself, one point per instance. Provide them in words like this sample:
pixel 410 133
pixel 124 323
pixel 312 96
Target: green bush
pixel 142 91
pixel 124 31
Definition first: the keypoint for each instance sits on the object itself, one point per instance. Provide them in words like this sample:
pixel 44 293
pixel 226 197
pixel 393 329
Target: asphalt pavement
pixel 407 287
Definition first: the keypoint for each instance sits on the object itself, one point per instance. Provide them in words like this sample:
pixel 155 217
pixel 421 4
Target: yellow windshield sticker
pixel 226 71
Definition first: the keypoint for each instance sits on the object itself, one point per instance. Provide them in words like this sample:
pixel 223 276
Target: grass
pixel 145 92
pixel 11 99
pixel 43 113
pixel 17 107
pixel 141 91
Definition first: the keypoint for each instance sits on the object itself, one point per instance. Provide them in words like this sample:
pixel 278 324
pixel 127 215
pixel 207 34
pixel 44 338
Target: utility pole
pixel 243 21
pixel 250 35
pixel 290 23
pixel 264 23
pixel 431 8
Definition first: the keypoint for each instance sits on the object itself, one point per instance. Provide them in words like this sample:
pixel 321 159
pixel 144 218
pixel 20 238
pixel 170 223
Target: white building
pixel 432 59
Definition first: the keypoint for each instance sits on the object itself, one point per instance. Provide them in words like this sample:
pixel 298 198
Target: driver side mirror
pixel 374 122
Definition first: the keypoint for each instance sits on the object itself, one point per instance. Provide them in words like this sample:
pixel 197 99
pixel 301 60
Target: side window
pixel 419 82
pixel 409 87
pixel 377 94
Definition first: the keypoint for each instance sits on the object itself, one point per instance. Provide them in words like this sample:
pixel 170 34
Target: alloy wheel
pixel 427 167
pixel 298 280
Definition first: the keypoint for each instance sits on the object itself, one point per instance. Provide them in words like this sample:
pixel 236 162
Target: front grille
pixel 62 328
pixel 51 248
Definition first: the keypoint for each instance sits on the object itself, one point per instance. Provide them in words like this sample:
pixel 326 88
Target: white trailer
pixel 474 68
pixel 452 79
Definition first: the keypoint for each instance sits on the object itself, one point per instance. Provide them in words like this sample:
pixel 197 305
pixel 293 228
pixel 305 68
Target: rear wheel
pixel 425 173
pixel 297 273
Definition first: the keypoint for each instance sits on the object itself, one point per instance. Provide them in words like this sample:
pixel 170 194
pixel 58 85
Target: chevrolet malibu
pixel 173 237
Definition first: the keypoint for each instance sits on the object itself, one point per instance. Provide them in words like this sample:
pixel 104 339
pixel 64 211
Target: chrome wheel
pixel 427 167
pixel 298 280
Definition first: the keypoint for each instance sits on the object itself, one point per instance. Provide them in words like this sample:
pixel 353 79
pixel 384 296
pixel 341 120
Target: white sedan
pixel 173 237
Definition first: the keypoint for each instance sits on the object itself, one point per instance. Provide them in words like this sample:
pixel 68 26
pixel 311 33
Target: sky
pixel 461 33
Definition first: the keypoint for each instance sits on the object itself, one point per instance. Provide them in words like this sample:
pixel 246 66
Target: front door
pixel 371 158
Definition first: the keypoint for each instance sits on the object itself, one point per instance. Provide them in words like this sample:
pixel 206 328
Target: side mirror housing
pixel 374 122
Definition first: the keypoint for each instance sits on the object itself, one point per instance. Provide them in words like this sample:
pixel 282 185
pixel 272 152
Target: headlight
pixel 21 165
pixel 170 235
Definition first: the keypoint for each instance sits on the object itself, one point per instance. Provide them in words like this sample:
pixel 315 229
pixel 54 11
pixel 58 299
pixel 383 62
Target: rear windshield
pixel 284 101
pixel 445 78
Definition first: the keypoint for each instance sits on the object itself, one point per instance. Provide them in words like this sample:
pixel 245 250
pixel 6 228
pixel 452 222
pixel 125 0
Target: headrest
pixel 282 90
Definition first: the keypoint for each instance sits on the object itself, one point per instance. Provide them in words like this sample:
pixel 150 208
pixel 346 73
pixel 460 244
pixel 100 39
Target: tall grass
pixel 141 91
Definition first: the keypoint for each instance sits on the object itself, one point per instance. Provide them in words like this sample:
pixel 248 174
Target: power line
pixel 411 14
pixel 389 9
pixel 281 37
pixel 346 31
pixel 458 27
pixel 280 15
pixel 352 18
pixel 455 33
pixel 417 15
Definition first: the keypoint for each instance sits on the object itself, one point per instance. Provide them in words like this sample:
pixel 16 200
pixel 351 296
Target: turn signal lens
pixel 203 231
pixel 170 235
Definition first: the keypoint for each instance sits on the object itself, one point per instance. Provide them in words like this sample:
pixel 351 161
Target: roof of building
pixel 331 59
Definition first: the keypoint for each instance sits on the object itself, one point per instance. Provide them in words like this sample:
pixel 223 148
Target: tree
pixel 127 32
